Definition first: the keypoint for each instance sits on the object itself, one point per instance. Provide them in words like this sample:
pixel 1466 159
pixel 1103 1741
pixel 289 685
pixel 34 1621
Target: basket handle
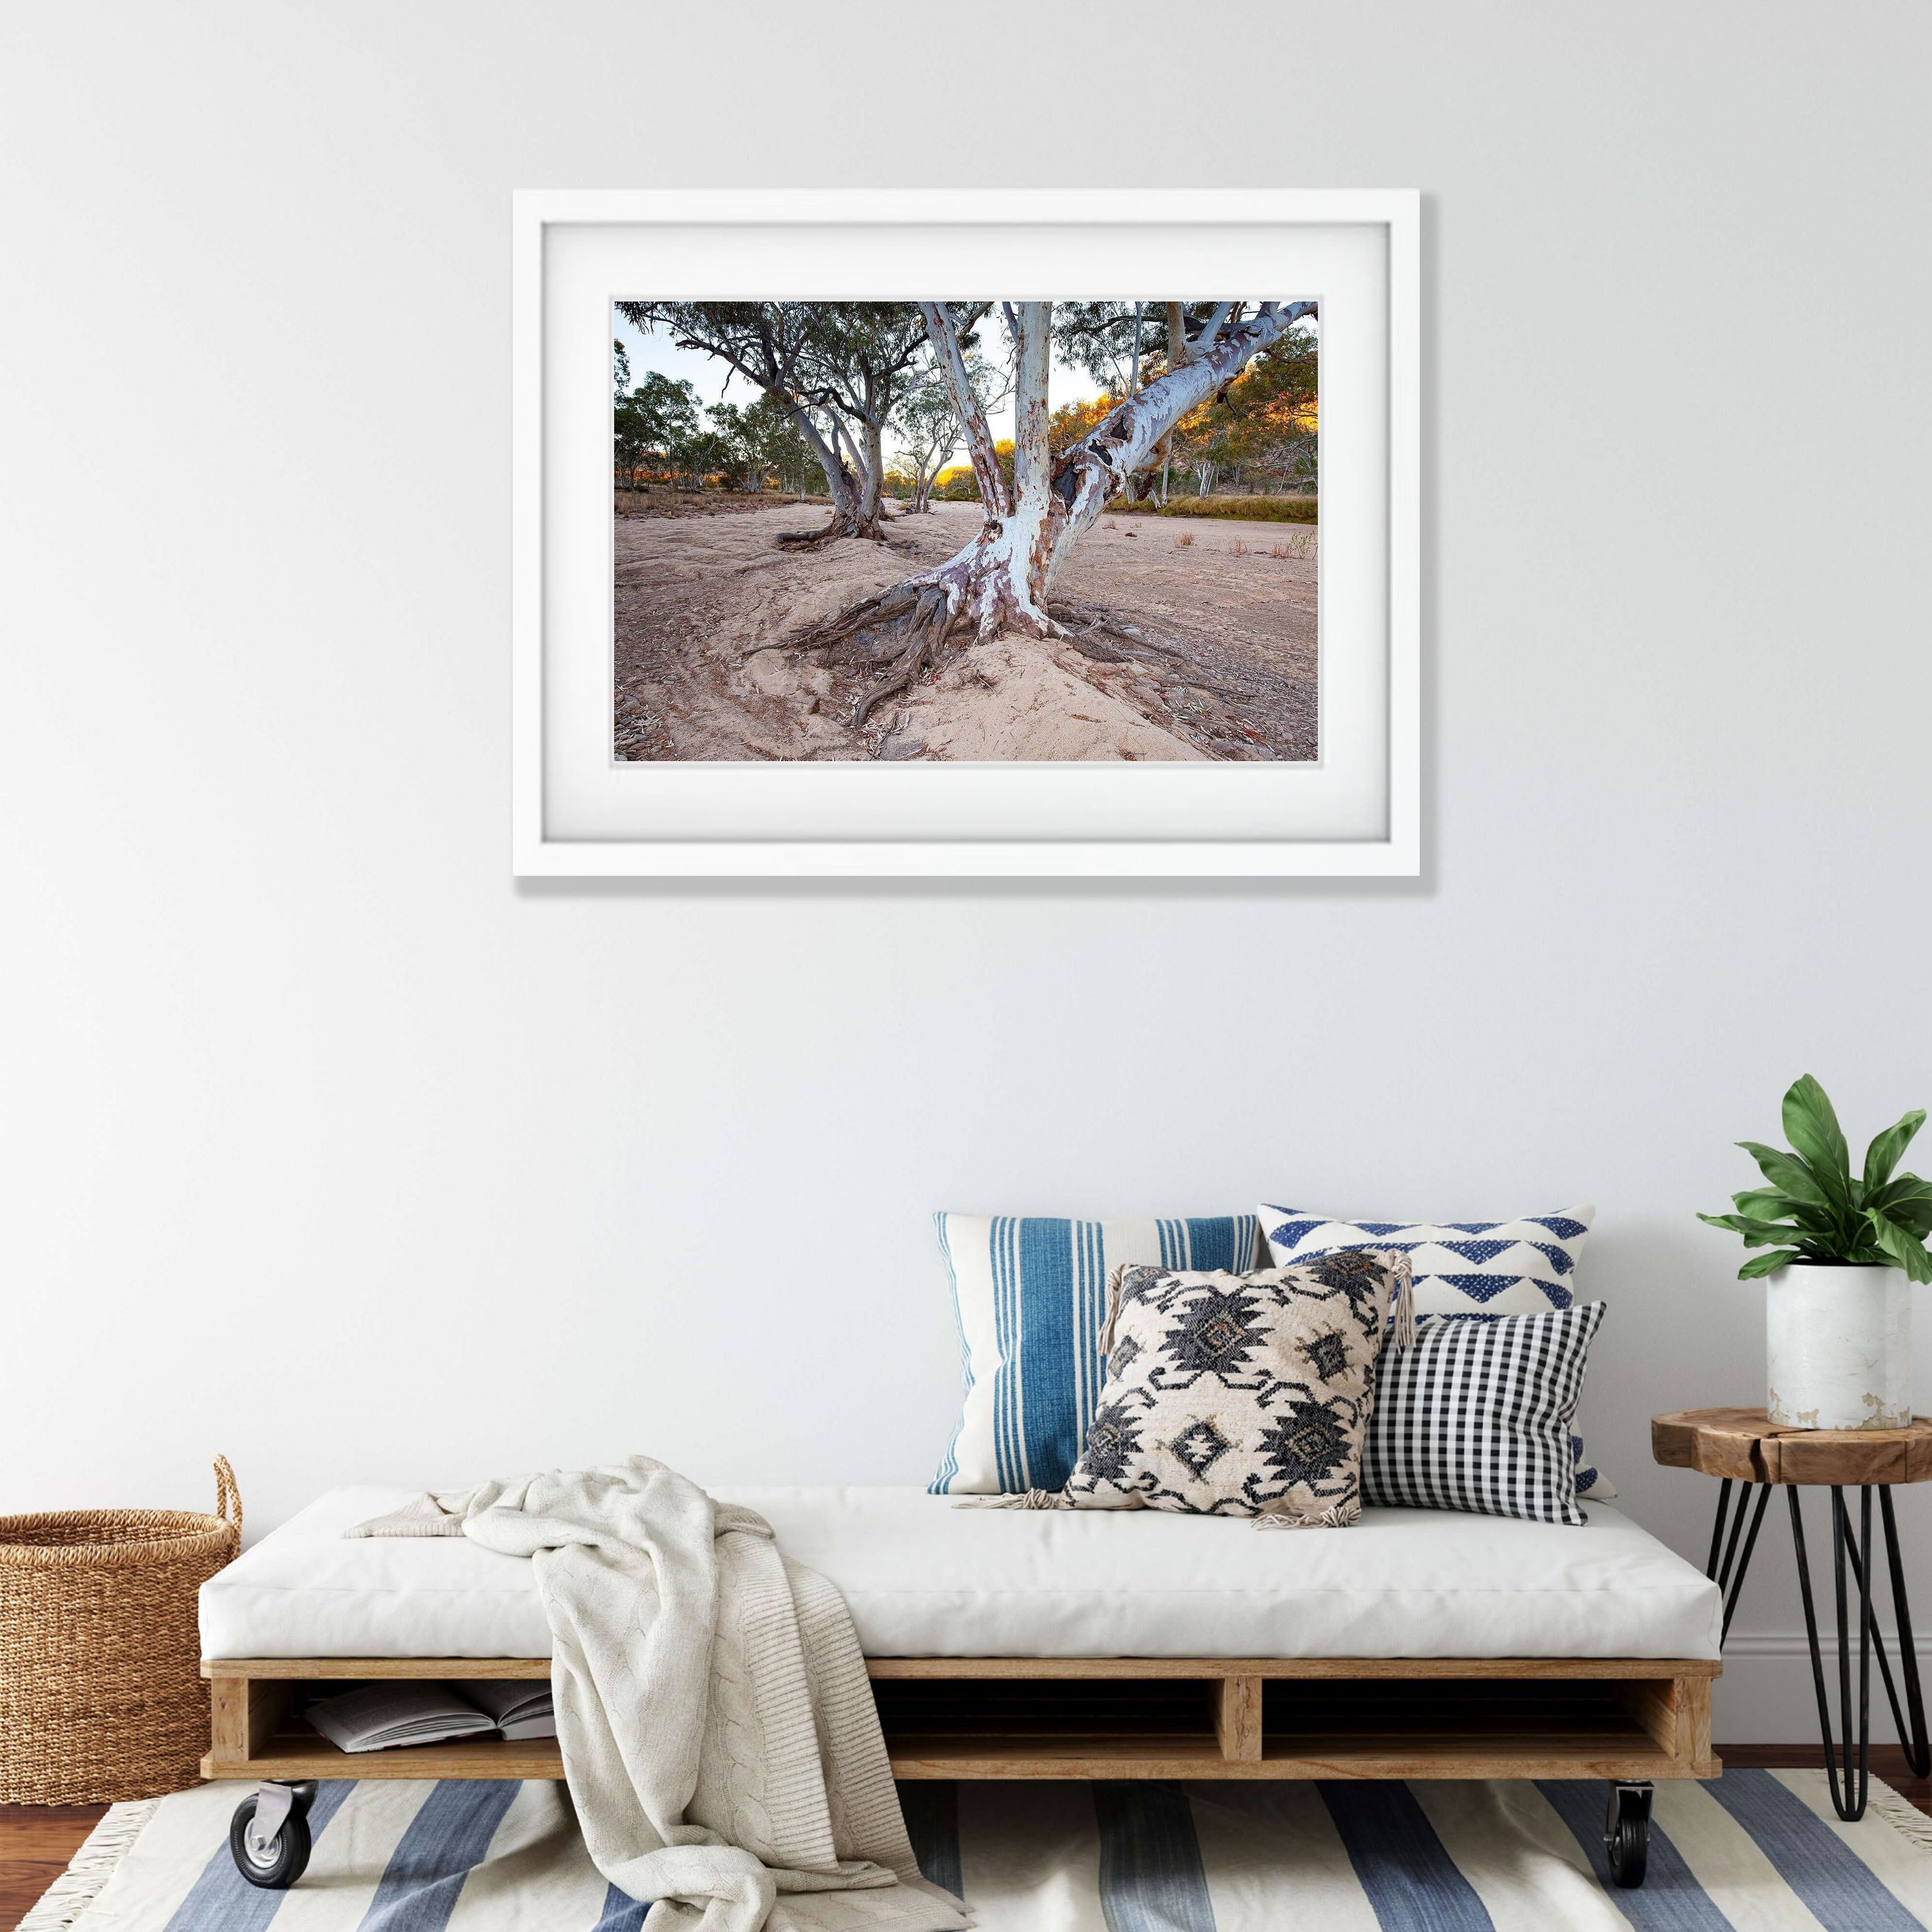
pixel 227 1494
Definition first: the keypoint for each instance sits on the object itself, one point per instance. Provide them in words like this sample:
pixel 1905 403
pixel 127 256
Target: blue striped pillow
pixel 1030 1294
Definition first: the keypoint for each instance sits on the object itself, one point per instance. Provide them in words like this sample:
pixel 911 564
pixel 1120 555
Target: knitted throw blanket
pixel 717 1725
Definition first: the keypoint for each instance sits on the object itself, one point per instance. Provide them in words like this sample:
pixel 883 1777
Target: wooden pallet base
pixel 1112 1717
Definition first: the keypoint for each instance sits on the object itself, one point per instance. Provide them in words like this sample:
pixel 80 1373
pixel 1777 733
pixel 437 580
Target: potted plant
pixel 1843 1252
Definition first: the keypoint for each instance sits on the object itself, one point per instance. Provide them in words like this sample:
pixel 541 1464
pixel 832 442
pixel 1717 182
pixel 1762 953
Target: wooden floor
pixel 36 1841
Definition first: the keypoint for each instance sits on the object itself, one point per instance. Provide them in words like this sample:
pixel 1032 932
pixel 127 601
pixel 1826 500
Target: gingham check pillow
pixel 1479 1269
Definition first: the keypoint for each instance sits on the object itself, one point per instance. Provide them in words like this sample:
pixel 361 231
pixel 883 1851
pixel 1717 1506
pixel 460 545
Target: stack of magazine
pixel 379 1716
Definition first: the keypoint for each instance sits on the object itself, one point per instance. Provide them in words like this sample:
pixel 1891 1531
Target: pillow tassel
pixel 1337 1515
pixel 1106 1345
pixel 1027 1499
pixel 1405 1310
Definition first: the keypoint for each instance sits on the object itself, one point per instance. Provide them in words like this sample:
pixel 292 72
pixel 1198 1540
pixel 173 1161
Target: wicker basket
pixel 101 1696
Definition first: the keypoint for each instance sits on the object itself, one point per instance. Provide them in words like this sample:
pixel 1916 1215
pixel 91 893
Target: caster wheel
pixel 1626 1834
pixel 287 1856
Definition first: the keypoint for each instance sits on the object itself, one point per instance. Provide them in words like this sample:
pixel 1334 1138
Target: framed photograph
pixel 922 533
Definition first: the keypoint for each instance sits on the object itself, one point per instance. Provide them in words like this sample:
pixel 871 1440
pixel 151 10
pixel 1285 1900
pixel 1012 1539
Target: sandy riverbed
pixel 1225 668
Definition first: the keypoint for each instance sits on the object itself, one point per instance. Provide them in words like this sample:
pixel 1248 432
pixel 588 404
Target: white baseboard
pixel 1766 1697
pixel 1764 1645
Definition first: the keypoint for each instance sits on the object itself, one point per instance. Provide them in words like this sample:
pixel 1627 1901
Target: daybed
pixel 1420 1643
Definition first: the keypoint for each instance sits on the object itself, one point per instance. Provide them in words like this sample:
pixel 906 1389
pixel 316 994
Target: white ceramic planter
pixel 1838 1347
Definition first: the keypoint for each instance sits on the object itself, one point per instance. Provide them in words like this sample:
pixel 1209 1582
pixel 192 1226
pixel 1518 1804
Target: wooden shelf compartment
pixel 257 1730
pixel 1441 1723
pixel 1116 1717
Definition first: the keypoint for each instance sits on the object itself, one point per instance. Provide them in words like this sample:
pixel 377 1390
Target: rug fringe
pixel 1900 1813
pixel 91 1867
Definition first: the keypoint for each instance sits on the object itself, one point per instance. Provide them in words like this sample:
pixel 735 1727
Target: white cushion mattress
pixel 925 1579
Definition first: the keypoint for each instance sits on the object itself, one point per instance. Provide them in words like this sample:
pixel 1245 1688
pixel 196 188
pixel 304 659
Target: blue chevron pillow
pixel 1480 1269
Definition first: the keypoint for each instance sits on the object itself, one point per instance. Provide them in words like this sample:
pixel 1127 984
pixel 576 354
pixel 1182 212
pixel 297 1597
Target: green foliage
pixel 959 485
pixel 1098 337
pixel 757 439
pixel 698 454
pixel 1253 509
pixel 1816 1209
pixel 660 412
pixel 1263 424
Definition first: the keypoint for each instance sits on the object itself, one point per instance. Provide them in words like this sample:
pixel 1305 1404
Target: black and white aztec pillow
pixel 1475 1415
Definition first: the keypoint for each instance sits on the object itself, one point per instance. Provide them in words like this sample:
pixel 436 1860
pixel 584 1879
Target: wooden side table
pixel 1742 1445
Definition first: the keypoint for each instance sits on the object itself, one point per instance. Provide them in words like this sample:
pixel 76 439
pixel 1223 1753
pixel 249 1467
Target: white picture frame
pixel 1356 811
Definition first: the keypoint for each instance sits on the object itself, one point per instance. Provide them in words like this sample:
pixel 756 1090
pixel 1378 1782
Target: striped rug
pixel 1757 1852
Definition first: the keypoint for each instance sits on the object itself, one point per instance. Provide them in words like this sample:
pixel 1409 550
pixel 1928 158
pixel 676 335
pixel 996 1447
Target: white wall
pixel 323 1143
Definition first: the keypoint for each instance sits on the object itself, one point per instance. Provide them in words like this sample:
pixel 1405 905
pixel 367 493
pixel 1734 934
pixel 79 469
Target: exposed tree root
pixel 915 660
pixel 930 620
pixel 887 612
pixel 1134 646
pixel 1134 641
pixel 843 523
pixel 905 628
pixel 1090 647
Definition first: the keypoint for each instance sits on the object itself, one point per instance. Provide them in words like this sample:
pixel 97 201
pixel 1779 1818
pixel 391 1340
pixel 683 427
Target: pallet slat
pixel 307 1754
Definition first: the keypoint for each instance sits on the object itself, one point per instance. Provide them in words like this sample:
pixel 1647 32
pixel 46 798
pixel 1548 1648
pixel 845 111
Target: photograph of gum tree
pixel 1044 531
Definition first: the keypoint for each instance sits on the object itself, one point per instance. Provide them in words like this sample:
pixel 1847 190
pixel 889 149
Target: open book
pixel 521 1709
pixel 379 1716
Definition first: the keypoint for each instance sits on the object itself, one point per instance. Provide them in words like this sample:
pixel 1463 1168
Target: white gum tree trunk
pixel 979 438
pixel 1005 574
pixel 1000 580
pixel 855 497
pixel 935 460
pixel 838 480
pixel 875 473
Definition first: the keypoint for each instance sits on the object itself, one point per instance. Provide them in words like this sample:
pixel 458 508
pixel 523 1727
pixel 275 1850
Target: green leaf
pixel 1906 1200
pixel 1915 1217
pixel 1755 1233
pixel 1887 1149
pixel 1763 1264
pixel 1787 1173
pixel 1903 1190
pixel 1811 1126
pixel 1767 1205
pixel 1900 1249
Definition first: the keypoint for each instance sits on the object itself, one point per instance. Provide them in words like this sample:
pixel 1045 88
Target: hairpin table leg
pixel 1848 1798
pixel 1910 1720
pixel 1717 1528
pixel 1730 1583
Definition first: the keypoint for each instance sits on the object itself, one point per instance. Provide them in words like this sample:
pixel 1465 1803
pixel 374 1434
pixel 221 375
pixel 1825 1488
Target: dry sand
pixel 1219 663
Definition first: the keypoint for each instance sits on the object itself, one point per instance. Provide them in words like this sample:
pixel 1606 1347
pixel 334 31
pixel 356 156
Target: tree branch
pixel 1216 321
pixel 1128 439
pixel 972 419
pixel 1178 353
